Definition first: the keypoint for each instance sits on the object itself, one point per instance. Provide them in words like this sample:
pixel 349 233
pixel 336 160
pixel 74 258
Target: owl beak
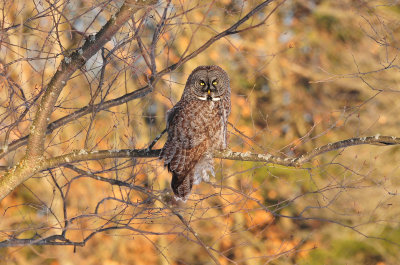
pixel 209 94
pixel 209 90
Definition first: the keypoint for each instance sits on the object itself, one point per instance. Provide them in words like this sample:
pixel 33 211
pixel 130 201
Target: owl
pixel 196 127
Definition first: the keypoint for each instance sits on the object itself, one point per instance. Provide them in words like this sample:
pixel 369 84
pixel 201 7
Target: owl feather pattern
pixel 196 127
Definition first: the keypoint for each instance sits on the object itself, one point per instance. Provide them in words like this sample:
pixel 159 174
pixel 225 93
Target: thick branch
pixel 83 155
pixel 373 140
pixel 51 240
pixel 299 161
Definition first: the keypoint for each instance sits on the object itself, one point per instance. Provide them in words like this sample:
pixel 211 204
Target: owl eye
pixel 202 83
pixel 215 82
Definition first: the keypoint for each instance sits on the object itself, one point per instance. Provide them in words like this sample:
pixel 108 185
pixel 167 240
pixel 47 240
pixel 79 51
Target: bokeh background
pixel 315 72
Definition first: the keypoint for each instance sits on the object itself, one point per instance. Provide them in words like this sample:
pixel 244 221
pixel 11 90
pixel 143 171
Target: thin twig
pixel 156 139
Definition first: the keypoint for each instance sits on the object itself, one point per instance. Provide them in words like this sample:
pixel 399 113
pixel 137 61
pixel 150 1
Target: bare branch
pixel 299 161
pixel 33 159
pixel 139 93
pixel 230 31
pixel 67 67
pixel 83 155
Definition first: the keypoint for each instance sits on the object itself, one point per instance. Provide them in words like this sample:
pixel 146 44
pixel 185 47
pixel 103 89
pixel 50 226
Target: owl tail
pixel 188 166
pixel 182 183
pixel 182 186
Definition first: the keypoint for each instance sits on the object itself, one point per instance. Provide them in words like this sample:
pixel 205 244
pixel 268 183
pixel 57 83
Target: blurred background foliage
pixel 316 72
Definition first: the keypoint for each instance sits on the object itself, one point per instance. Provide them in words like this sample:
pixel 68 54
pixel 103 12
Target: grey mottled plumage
pixel 196 127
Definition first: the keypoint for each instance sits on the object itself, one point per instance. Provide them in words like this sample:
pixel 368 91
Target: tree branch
pixel 299 161
pixel 83 155
pixel 33 160
pixel 229 31
pixel 139 93
pixel 67 67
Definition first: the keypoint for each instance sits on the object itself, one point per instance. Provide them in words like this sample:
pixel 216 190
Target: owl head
pixel 207 83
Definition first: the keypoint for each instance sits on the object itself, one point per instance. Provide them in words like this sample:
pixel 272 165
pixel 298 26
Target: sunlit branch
pixel 83 155
pixel 299 161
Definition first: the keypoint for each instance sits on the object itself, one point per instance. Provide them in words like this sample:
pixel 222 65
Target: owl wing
pixel 186 144
pixel 187 125
pixel 183 167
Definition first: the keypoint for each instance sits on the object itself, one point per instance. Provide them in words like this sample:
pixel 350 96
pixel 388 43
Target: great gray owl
pixel 196 127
